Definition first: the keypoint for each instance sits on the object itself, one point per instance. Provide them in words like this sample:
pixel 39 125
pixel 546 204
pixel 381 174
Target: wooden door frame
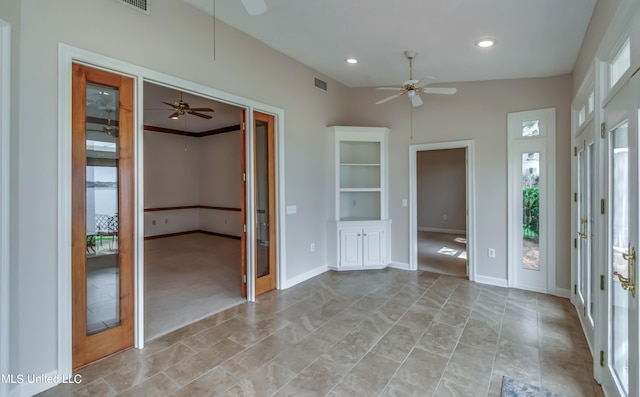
pixel 67 56
pixel 89 348
pixel 273 224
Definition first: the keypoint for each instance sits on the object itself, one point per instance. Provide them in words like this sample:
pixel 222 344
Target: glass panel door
pixel 102 220
pixel 622 368
pixel 265 227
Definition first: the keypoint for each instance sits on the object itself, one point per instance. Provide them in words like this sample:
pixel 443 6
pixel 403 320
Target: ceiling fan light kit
pixel 413 87
pixel 181 108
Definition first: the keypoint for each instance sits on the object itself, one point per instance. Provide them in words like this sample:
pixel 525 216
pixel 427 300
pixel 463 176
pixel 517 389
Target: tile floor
pixel 369 333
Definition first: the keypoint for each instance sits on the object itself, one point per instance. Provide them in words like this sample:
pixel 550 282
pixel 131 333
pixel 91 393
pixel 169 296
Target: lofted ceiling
pixel 534 38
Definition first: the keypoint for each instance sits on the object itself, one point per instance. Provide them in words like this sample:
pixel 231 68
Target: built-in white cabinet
pixel 359 231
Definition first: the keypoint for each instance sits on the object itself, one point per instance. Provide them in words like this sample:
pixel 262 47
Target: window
pixel 620 63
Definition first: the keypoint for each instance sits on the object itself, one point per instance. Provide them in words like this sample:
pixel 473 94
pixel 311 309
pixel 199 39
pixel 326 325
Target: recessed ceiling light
pixel 485 43
pixel 352 60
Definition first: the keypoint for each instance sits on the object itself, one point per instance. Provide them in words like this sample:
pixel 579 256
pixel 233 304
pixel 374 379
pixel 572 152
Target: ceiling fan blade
pixel 255 7
pixel 202 109
pixel 173 105
pixel 390 88
pixel 204 116
pixel 440 90
pixel 388 98
pixel 174 115
pixel 424 81
pixel 415 100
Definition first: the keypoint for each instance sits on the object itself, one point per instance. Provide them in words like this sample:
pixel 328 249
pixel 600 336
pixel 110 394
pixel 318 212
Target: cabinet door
pixel 350 247
pixel 374 247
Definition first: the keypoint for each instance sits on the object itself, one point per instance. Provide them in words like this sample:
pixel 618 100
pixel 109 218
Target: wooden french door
pixel 102 220
pixel 265 202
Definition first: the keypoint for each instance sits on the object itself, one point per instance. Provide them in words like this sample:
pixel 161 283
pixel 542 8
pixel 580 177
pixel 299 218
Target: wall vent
pixel 140 5
pixel 320 84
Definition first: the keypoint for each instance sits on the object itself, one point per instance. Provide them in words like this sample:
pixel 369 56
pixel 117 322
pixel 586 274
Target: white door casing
pixel 531 139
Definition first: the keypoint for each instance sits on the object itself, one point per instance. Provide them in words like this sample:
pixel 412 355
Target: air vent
pixel 140 5
pixel 320 84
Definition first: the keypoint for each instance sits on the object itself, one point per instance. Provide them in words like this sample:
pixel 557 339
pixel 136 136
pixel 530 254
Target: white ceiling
pixel 535 38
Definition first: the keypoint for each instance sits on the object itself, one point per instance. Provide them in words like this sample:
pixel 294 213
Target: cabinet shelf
pixel 359 235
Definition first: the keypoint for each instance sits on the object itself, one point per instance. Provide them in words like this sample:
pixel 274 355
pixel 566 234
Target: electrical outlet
pixel 444 217
pixel 225 221
pixel 312 248
pixel 492 253
pixel 153 222
pixel 404 202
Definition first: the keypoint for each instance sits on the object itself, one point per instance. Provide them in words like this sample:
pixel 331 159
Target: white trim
pixel 563 293
pixel 441 230
pixel 67 55
pixel 546 145
pixel 5 246
pixel 399 265
pixel 498 282
pixel 305 276
pixel 470 188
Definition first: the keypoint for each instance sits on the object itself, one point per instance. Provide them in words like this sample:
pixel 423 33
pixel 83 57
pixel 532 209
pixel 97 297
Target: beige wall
pixel 441 189
pixel 478 112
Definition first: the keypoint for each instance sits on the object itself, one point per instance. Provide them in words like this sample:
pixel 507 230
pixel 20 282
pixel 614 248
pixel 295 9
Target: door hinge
pixel 602 282
pixel 244 126
pixel 244 278
pixel 602 358
pixel 575 151
pixel 575 197
pixel 575 289
pixel 584 311
pixel 244 177
pixel 603 130
pixel 575 243
pixel 244 228
pixel 602 203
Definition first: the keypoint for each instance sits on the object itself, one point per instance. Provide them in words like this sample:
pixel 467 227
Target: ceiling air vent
pixel 140 5
pixel 320 84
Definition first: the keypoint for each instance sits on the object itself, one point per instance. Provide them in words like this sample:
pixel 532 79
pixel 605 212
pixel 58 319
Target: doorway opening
pixel 441 214
pixel 192 208
pixel 441 211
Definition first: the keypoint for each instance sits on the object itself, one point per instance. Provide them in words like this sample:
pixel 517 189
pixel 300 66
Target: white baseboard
pixel 441 230
pixel 563 293
pixel 399 265
pixel 499 282
pixel 305 276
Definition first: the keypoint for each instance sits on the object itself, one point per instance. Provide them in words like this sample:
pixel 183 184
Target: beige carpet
pixel 442 253
pixel 187 278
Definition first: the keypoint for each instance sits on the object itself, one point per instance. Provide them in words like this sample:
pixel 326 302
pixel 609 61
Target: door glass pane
pixel 620 240
pixel 581 225
pixel 262 200
pixel 102 266
pixel 531 128
pixel 590 202
pixel 530 211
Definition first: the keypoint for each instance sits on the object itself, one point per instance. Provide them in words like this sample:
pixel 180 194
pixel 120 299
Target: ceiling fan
pixel 413 87
pixel 181 108
pixel 255 7
pixel 108 129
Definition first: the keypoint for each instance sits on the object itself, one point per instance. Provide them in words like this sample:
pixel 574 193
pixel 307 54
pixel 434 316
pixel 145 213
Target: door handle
pixel 629 283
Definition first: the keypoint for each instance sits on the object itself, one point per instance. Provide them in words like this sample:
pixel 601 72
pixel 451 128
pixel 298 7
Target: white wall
pixel 441 189
pixel 143 40
pixel 478 112
pixel 220 183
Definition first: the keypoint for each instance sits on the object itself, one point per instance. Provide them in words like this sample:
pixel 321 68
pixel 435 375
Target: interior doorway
pixel 441 216
pixel 441 211
pixel 192 207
